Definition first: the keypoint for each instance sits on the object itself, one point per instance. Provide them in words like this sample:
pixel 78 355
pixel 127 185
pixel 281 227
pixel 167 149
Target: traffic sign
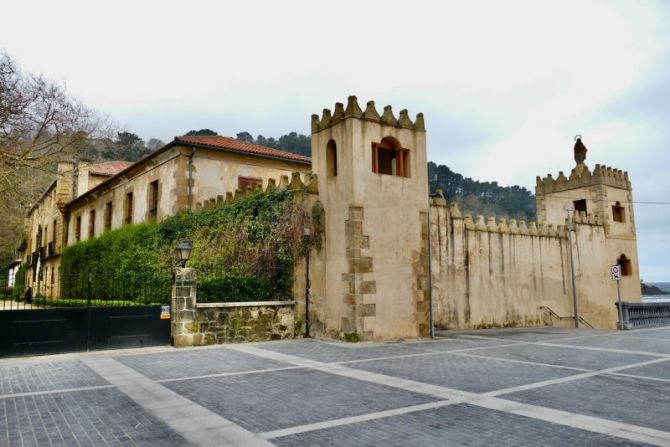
pixel 615 270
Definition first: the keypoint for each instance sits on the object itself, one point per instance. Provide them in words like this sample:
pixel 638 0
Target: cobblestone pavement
pixel 516 387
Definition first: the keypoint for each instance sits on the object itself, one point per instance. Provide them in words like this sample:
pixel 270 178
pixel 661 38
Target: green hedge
pixel 251 243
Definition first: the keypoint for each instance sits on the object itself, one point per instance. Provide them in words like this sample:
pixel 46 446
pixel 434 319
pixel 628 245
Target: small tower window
pixel 618 213
pixel 331 158
pixel 77 229
pixel 624 264
pixel 580 206
pixel 389 158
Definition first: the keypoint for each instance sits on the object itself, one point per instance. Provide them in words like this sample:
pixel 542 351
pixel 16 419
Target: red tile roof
pixel 109 168
pixel 244 147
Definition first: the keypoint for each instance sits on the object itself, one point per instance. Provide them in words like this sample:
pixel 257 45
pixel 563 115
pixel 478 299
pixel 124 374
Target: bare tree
pixel 40 123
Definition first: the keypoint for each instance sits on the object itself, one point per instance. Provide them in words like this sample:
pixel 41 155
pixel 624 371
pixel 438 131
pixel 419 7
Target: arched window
pixel 618 212
pixel 624 264
pixel 331 158
pixel 389 158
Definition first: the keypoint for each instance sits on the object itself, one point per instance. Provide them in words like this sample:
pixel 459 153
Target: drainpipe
pixel 190 180
pixel 572 267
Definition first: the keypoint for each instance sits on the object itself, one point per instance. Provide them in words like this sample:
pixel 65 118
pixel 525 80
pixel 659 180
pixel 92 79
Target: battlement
pixel 309 185
pixel 601 175
pixel 370 113
pixel 503 225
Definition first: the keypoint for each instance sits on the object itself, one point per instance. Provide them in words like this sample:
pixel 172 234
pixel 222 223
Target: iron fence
pixel 87 288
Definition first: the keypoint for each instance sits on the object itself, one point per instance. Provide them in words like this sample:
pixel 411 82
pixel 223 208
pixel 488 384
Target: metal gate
pixel 85 311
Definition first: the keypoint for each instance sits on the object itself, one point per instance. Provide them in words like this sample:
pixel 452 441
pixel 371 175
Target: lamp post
pixel 183 250
pixel 307 233
pixel 572 267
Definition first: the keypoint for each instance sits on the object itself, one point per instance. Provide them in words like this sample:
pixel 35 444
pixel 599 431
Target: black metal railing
pixel 637 315
pixel 88 288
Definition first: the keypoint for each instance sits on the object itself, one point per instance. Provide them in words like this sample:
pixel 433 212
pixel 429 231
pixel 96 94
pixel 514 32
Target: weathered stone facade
pixel 197 324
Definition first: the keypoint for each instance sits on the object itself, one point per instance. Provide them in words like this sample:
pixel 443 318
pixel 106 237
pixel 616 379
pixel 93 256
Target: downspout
pixel 190 180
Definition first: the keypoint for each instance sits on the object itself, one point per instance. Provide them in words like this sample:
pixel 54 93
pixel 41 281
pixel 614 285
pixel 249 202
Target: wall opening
pixel 244 183
pixel 77 229
pixel 618 213
pixel 624 264
pixel 389 158
pixel 331 158
pixel 108 216
pixel 91 224
pixel 580 206
pixel 129 208
pixel 153 200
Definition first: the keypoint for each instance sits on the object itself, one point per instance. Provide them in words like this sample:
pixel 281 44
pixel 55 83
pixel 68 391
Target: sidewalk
pixel 533 386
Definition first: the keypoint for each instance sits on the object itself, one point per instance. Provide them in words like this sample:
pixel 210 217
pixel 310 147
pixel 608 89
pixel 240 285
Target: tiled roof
pixel 109 168
pixel 231 144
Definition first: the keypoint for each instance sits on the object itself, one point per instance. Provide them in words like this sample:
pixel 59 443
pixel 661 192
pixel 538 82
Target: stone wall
pixel 197 324
pixel 488 273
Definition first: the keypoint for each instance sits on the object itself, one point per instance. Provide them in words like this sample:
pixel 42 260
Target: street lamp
pixel 572 266
pixel 183 250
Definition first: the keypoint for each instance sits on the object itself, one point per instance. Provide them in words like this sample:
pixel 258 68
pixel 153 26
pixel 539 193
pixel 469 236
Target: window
pixel 618 213
pixel 389 158
pixel 243 183
pixel 91 224
pixel 77 229
pixel 53 274
pixel 624 264
pixel 153 200
pixel 331 158
pixel 108 216
pixel 129 208
pixel 580 206
pixel 53 231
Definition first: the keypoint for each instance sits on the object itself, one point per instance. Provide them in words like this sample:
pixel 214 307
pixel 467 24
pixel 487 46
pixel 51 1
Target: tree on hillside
pixel 130 146
pixel 201 132
pixel 245 136
pixel 154 143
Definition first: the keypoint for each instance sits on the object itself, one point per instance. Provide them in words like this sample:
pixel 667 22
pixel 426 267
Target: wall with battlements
pixel 499 273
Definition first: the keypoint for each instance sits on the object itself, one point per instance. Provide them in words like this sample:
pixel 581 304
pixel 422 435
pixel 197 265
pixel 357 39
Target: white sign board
pixel 616 272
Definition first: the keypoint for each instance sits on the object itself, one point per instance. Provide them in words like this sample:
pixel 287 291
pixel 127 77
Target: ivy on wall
pixel 242 251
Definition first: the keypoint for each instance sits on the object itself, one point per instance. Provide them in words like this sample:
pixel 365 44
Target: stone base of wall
pixel 216 323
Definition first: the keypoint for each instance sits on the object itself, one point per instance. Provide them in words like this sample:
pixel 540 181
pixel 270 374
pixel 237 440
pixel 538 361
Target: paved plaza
pixel 532 386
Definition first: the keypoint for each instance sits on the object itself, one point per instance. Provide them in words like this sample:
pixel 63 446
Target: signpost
pixel 615 270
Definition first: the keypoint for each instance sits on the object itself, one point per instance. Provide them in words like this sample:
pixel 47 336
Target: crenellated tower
pixel 604 197
pixel 373 187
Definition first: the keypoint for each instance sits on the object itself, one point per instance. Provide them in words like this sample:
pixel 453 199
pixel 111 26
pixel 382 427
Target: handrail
pixel 551 312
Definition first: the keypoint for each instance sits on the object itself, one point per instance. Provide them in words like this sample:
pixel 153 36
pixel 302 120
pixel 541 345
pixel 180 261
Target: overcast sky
pixel 504 85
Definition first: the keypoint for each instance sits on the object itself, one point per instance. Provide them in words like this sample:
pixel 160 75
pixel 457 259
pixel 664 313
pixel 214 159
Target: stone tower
pixel 373 187
pixel 604 198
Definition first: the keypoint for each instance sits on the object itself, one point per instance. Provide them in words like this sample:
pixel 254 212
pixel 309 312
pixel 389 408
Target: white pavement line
pixel 354 419
pixel 583 422
pixel 637 376
pixel 524 362
pixel 62 390
pixel 194 422
pixel 228 374
pixel 594 348
pixel 586 375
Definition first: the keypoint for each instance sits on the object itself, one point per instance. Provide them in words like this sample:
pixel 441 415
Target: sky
pixel 504 86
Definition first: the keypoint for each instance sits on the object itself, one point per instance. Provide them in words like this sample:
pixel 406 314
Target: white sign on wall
pixel 616 272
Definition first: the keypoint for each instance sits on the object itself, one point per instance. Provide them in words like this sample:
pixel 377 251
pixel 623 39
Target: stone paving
pixel 532 386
